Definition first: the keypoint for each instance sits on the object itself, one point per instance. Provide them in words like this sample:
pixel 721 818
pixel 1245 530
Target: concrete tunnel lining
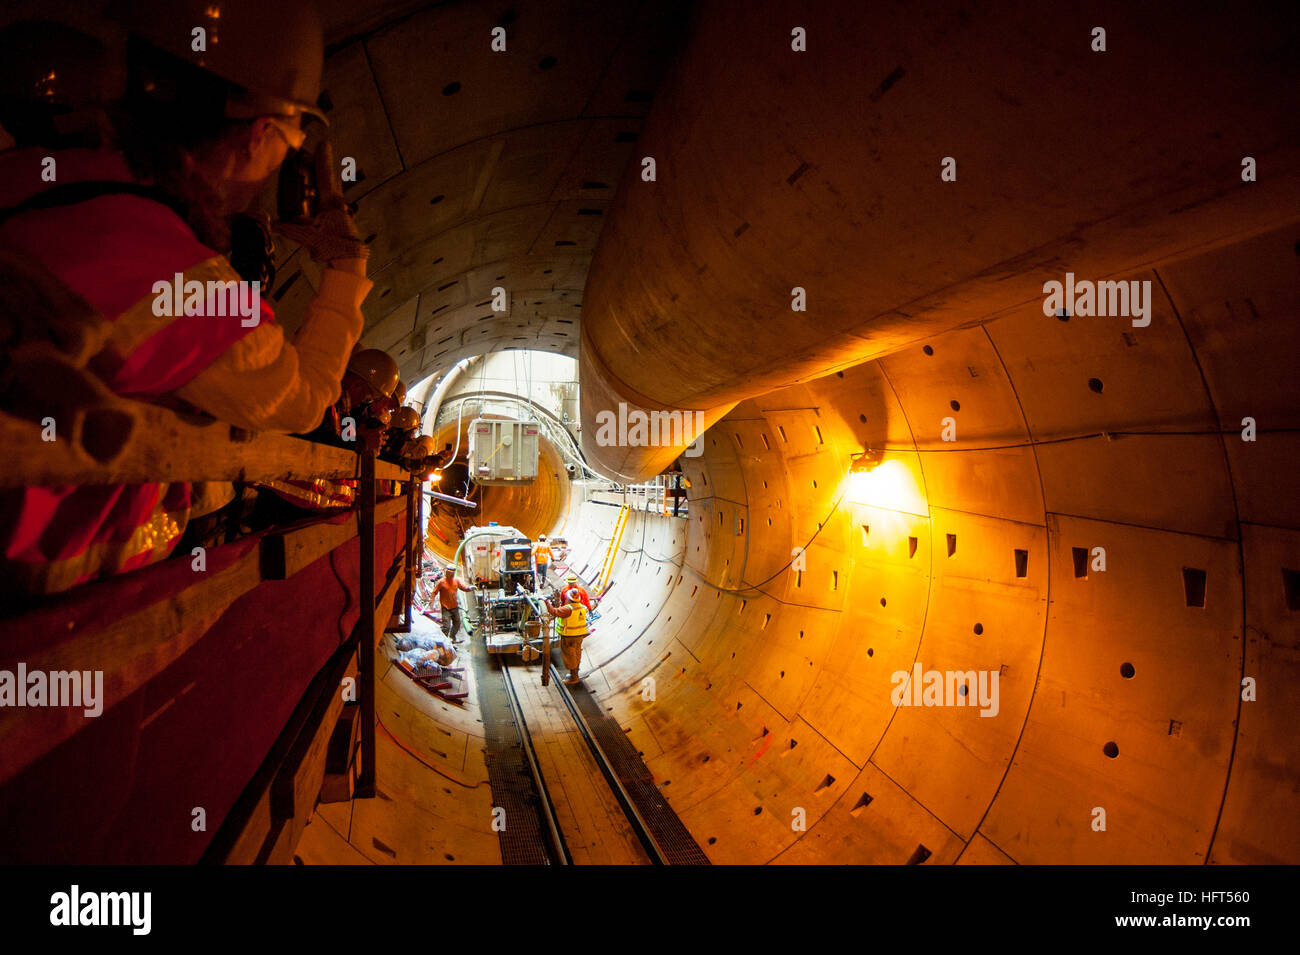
pixel 774 684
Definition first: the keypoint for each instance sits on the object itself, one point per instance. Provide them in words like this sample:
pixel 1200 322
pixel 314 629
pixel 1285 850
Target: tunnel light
pixel 865 461
pixel 888 484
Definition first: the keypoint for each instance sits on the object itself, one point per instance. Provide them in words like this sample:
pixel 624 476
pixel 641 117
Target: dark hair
pixel 172 113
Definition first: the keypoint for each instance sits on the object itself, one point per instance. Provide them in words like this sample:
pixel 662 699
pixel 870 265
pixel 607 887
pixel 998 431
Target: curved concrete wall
pixel 773 686
pixel 820 170
pixel 769 722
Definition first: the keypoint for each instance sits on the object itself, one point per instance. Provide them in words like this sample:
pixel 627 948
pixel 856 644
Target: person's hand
pixel 333 237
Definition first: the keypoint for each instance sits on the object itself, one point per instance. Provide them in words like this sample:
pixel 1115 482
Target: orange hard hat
pixel 376 368
pixel 405 420
pixel 399 393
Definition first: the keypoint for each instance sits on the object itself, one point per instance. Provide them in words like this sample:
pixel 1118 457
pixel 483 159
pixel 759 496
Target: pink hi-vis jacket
pixel 112 251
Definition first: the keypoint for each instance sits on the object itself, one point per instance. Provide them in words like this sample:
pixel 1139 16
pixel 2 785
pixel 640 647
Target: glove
pixel 333 235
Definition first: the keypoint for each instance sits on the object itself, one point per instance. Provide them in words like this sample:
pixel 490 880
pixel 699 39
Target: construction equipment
pixel 503 451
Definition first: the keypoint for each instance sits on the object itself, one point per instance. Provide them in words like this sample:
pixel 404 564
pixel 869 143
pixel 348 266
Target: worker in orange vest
pixel 571 582
pixel 542 558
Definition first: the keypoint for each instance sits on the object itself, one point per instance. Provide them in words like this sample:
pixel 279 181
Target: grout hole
pixel 979 629
pixel 1194 586
pixel 1095 384
pixel 1291 587
pixel 1126 671
pixel 1080 555
pixel 927 349
pixel 955 405
pixel 1111 750
pixel 1022 563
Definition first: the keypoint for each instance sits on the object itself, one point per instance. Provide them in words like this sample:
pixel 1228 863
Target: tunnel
pixel 916 386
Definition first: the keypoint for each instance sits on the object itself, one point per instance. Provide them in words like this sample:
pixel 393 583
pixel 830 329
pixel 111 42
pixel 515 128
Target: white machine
pixel 502 451
pixel 482 554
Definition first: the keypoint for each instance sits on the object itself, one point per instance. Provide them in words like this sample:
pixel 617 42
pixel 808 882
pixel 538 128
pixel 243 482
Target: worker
pixel 196 136
pixel 402 427
pixel 448 591
pixel 573 629
pixel 542 558
pixel 571 582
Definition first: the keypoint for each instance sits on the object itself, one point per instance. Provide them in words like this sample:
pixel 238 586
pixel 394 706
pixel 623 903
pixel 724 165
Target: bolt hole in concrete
pixel 911 547
pixel 1291 587
pixel 1194 586
pixel 952 544
pixel 451 89
pixel 547 62
pixel 919 856
pixel 1080 556
pixel 1022 563
pixel 1111 750
pixel 1126 671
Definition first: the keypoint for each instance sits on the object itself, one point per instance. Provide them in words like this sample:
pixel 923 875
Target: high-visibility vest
pixel 542 552
pixel 575 624
pixel 110 250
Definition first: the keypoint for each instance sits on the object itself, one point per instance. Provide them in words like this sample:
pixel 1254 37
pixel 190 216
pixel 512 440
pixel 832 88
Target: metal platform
pixel 506 642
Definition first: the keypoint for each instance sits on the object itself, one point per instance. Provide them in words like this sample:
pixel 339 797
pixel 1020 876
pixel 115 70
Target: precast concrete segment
pixel 434 804
pixel 1100 532
pixel 1066 160
pixel 1079 537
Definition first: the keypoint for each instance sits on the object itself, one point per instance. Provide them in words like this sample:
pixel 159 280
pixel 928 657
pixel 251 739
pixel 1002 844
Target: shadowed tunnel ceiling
pixel 1121 681
pixel 479 169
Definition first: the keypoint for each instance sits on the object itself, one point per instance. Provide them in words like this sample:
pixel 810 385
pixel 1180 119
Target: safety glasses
pixel 293 134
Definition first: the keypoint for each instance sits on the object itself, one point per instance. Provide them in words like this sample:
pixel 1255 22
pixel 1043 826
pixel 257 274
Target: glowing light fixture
pixel 880 483
pixel 864 461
